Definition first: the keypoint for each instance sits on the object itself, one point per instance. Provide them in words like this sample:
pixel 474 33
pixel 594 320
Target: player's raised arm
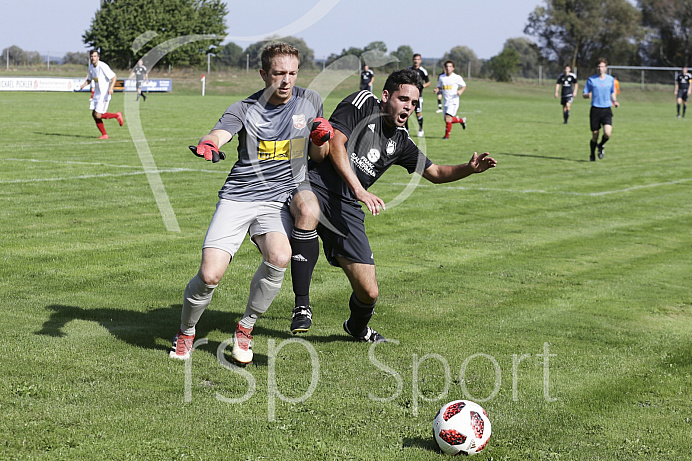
pixel 439 174
pixel 342 164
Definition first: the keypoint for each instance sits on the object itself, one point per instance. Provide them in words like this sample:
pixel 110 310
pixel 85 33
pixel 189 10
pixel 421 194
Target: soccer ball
pixel 461 427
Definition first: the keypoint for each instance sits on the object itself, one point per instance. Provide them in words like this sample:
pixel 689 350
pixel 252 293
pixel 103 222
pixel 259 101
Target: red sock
pixel 448 128
pixel 457 120
pixel 99 125
pixel 109 115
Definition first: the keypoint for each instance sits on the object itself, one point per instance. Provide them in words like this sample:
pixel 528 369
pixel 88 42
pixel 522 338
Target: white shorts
pixel 451 107
pixel 100 104
pixel 232 220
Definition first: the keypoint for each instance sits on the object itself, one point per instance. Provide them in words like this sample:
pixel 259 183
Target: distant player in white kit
pixel 451 86
pixel 104 80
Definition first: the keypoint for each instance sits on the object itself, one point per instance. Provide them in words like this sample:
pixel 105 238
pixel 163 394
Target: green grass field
pixel 554 291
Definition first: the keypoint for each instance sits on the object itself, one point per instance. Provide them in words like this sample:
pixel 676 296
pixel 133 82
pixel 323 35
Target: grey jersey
pixel 272 145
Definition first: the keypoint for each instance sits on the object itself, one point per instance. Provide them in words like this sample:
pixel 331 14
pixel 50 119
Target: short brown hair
pixel 277 49
pixel 602 60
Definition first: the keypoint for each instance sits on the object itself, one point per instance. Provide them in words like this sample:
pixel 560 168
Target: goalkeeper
pixel 277 128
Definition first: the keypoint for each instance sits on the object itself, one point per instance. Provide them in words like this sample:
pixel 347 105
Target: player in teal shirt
pixel 600 88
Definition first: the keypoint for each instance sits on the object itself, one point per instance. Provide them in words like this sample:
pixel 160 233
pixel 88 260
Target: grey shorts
pixel 232 220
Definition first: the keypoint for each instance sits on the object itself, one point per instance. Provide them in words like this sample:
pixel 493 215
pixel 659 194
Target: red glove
pixel 322 131
pixel 209 151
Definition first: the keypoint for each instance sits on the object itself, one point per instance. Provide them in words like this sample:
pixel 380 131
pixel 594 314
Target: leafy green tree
pixel 405 56
pixel 230 55
pixel 76 58
pixel 504 65
pixel 670 23
pixel 376 46
pixel 529 56
pixel 119 22
pixel 345 52
pixel 578 32
pixel 462 56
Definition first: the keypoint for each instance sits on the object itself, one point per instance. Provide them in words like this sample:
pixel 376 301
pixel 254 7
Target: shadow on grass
pixel 67 135
pixel 147 329
pixel 425 444
pixel 545 157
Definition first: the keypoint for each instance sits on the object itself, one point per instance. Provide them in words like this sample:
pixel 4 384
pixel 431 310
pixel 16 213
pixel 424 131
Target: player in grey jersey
pixel 277 128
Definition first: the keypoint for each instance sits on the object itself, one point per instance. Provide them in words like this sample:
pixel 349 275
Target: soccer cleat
pixel 421 133
pixel 103 136
pixel 242 345
pixel 463 122
pixel 370 336
pixel 119 117
pixel 445 137
pixel 592 157
pixel 438 111
pixel 182 346
pixel 301 320
pixel 600 152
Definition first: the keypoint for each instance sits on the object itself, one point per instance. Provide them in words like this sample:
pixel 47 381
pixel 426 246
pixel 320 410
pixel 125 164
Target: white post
pixel 247 63
pixel 208 62
pixel 469 74
pixel 540 74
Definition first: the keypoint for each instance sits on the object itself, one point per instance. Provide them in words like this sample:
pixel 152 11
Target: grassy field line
pixel 540 191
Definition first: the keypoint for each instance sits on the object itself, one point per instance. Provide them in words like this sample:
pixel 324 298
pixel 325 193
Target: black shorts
pixel 342 229
pixel 566 100
pixel 682 94
pixel 600 116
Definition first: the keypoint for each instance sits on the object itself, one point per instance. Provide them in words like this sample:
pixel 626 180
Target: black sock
pixel 360 315
pixel 305 252
pixel 678 110
pixel 684 109
pixel 420 123
pixel 566 115
pixel 144 96
pixel 604 140
pixel 593 147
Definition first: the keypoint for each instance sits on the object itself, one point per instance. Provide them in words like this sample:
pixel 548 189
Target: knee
pixel 368 295
pixel 305 211
pixel 279 257
pixel 209 277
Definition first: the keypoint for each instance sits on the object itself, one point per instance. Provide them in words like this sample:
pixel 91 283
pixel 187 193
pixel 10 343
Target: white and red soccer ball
pixel 461 427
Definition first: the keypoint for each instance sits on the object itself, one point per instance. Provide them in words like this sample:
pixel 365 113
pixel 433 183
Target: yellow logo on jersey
pixel 282 150
pixel 448 87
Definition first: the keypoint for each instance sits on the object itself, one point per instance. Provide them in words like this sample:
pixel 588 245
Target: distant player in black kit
pixel 369 137
pixel 367 78
pixel 426 83
pixel 682 90
pixel 141 73
pixel 568 82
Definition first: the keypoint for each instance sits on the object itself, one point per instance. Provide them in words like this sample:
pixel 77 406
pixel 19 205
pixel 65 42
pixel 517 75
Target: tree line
pixel 574 32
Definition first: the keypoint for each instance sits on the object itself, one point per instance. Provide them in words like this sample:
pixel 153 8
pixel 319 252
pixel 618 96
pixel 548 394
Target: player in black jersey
pixel 682 90
pixel 426 83
pixel 567 81
pixel 369 137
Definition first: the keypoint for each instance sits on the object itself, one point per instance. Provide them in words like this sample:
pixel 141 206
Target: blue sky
pixel 430 27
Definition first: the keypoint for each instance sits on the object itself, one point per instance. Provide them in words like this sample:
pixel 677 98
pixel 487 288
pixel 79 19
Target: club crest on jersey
pixel 299 121
pixel 373 155
pixel 391 147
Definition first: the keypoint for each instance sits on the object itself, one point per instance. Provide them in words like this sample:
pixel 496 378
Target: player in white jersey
pixel 103 78
pixel 451 86
pixel 274 128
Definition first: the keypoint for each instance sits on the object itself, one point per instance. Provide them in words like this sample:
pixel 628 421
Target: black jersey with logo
pixel 683 81
pixel 373 146
pixel 567 82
